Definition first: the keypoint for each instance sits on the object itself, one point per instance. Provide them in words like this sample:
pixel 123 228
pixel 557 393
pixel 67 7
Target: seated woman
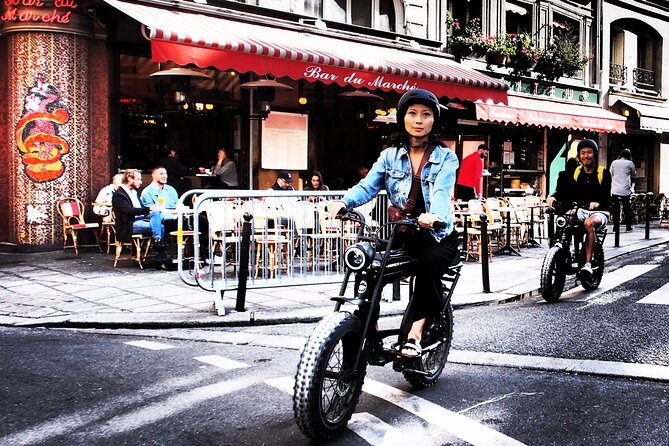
pixel 316 184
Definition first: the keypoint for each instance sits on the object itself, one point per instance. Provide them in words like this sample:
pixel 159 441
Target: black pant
pixel 433 261
pixel 465 193
pixel 627 211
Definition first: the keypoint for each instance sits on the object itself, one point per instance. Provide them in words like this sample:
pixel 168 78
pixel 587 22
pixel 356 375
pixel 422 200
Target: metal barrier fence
pixel 292 241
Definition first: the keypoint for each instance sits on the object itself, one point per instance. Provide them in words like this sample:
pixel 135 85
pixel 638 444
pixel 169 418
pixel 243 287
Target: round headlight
pixel 560 222
pixel 358 256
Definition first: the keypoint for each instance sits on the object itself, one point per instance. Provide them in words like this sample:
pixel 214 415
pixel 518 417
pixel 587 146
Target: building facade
pixel 307 85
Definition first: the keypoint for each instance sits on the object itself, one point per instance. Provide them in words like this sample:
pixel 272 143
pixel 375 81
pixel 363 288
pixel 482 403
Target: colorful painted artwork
pixel 37 133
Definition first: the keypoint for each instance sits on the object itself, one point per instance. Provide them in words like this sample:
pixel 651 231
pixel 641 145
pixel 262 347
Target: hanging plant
pixel 465 40
pixel 562 57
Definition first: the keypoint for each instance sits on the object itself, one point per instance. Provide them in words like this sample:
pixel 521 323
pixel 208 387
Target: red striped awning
pixel 545 113
pixel 207 41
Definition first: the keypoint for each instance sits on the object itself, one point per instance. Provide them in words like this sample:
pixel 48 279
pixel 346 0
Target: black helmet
pixel 588 143
pixel 417 96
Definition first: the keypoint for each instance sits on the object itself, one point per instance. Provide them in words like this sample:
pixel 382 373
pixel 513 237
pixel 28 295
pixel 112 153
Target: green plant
pixel 515 51
pixel 562 57
pixel 466 40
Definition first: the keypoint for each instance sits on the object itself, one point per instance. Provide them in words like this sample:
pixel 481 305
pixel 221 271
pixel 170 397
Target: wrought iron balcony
pixel 617 74
pixel 644 78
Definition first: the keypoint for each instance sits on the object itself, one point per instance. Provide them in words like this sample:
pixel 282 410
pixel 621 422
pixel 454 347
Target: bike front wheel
pixel 437 339
pixel 553 274
pixel 327 389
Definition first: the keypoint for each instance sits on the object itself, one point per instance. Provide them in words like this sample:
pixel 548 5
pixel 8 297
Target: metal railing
pixel 292 241
pixel 617 74
pixel 644 78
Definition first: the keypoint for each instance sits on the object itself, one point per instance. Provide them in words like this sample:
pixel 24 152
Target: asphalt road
pixel 592 369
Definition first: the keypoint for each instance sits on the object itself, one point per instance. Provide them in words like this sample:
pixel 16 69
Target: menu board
pixel 285 141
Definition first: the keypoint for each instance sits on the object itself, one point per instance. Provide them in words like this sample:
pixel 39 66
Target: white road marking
pixel 220 361
pixel 609 281
pixel 284 384
pixel 150 345
pixel 658 297
pixel 588 366
pixel 73 421
pixel 462 427
pixel 161 410
pixel 452 422
pixel 376 431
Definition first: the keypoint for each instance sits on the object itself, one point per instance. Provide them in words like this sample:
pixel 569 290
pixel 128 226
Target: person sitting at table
pixel 225 171
pixel 161 192
pixel 103 201
pixel 177 171
pixel 133 218
pixel 316 184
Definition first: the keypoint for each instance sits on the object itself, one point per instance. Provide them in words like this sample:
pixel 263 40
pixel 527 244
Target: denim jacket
pixel 392 171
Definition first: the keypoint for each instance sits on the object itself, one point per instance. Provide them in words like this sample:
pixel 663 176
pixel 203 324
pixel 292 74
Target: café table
pixel 507 248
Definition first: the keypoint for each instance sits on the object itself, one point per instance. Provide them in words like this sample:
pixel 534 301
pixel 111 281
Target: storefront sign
pixel 38 11
pixel 357 79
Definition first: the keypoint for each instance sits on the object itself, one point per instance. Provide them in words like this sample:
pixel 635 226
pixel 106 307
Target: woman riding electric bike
pixel 418 174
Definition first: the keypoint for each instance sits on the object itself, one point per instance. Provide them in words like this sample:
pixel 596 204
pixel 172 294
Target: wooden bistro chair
pixel 139 249
pixel 272 245
pixel 71 210
pixel 108 231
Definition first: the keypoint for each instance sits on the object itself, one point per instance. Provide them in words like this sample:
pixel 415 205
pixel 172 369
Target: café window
pixel 378 14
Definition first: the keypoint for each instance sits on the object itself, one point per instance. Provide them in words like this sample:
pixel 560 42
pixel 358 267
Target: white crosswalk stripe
pixel 462 427
pixel 149 345
pixel 609 281
pixel 377 432
pixel 658 297
pixel 220 361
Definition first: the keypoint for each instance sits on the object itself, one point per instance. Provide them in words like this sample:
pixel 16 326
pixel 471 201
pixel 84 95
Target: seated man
pixel 590 187
pixel 103 201
pixel 133 218
pixel 161 192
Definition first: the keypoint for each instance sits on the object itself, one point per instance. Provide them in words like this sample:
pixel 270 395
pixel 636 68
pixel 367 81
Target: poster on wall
pixel 284 141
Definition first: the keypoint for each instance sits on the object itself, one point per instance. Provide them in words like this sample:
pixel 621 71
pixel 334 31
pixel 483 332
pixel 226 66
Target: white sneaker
pixel 586 269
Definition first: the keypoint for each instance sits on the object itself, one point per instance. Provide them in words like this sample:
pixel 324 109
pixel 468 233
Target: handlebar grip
pixel 439 225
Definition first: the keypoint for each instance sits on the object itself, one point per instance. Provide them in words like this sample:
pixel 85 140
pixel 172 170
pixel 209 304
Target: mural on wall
pixel 37 133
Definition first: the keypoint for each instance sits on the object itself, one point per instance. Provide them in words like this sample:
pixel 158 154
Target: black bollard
pixel 485 271
pixel 649 200
pixel 244 247
pixel 616 203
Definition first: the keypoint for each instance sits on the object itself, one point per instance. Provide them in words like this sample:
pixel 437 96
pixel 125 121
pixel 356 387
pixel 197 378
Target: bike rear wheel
pixel 440 335
pixel 597 269
pixel 326 388
pixel 553 274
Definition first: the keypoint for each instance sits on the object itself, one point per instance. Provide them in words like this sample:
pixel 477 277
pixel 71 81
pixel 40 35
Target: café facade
pixel 94 87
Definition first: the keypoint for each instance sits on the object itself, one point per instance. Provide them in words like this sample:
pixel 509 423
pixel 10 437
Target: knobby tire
pixel 553 274
pixel 326 391
pixel 432 363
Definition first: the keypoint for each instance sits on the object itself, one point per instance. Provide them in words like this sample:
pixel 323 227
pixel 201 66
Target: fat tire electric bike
pixel 334 360
pixel 566 255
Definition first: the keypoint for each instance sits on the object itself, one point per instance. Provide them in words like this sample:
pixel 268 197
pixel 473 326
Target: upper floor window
pixel 378 14
pixel 518 18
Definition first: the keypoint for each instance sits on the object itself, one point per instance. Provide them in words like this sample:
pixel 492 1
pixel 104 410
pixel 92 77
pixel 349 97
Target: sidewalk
pixel 60 289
